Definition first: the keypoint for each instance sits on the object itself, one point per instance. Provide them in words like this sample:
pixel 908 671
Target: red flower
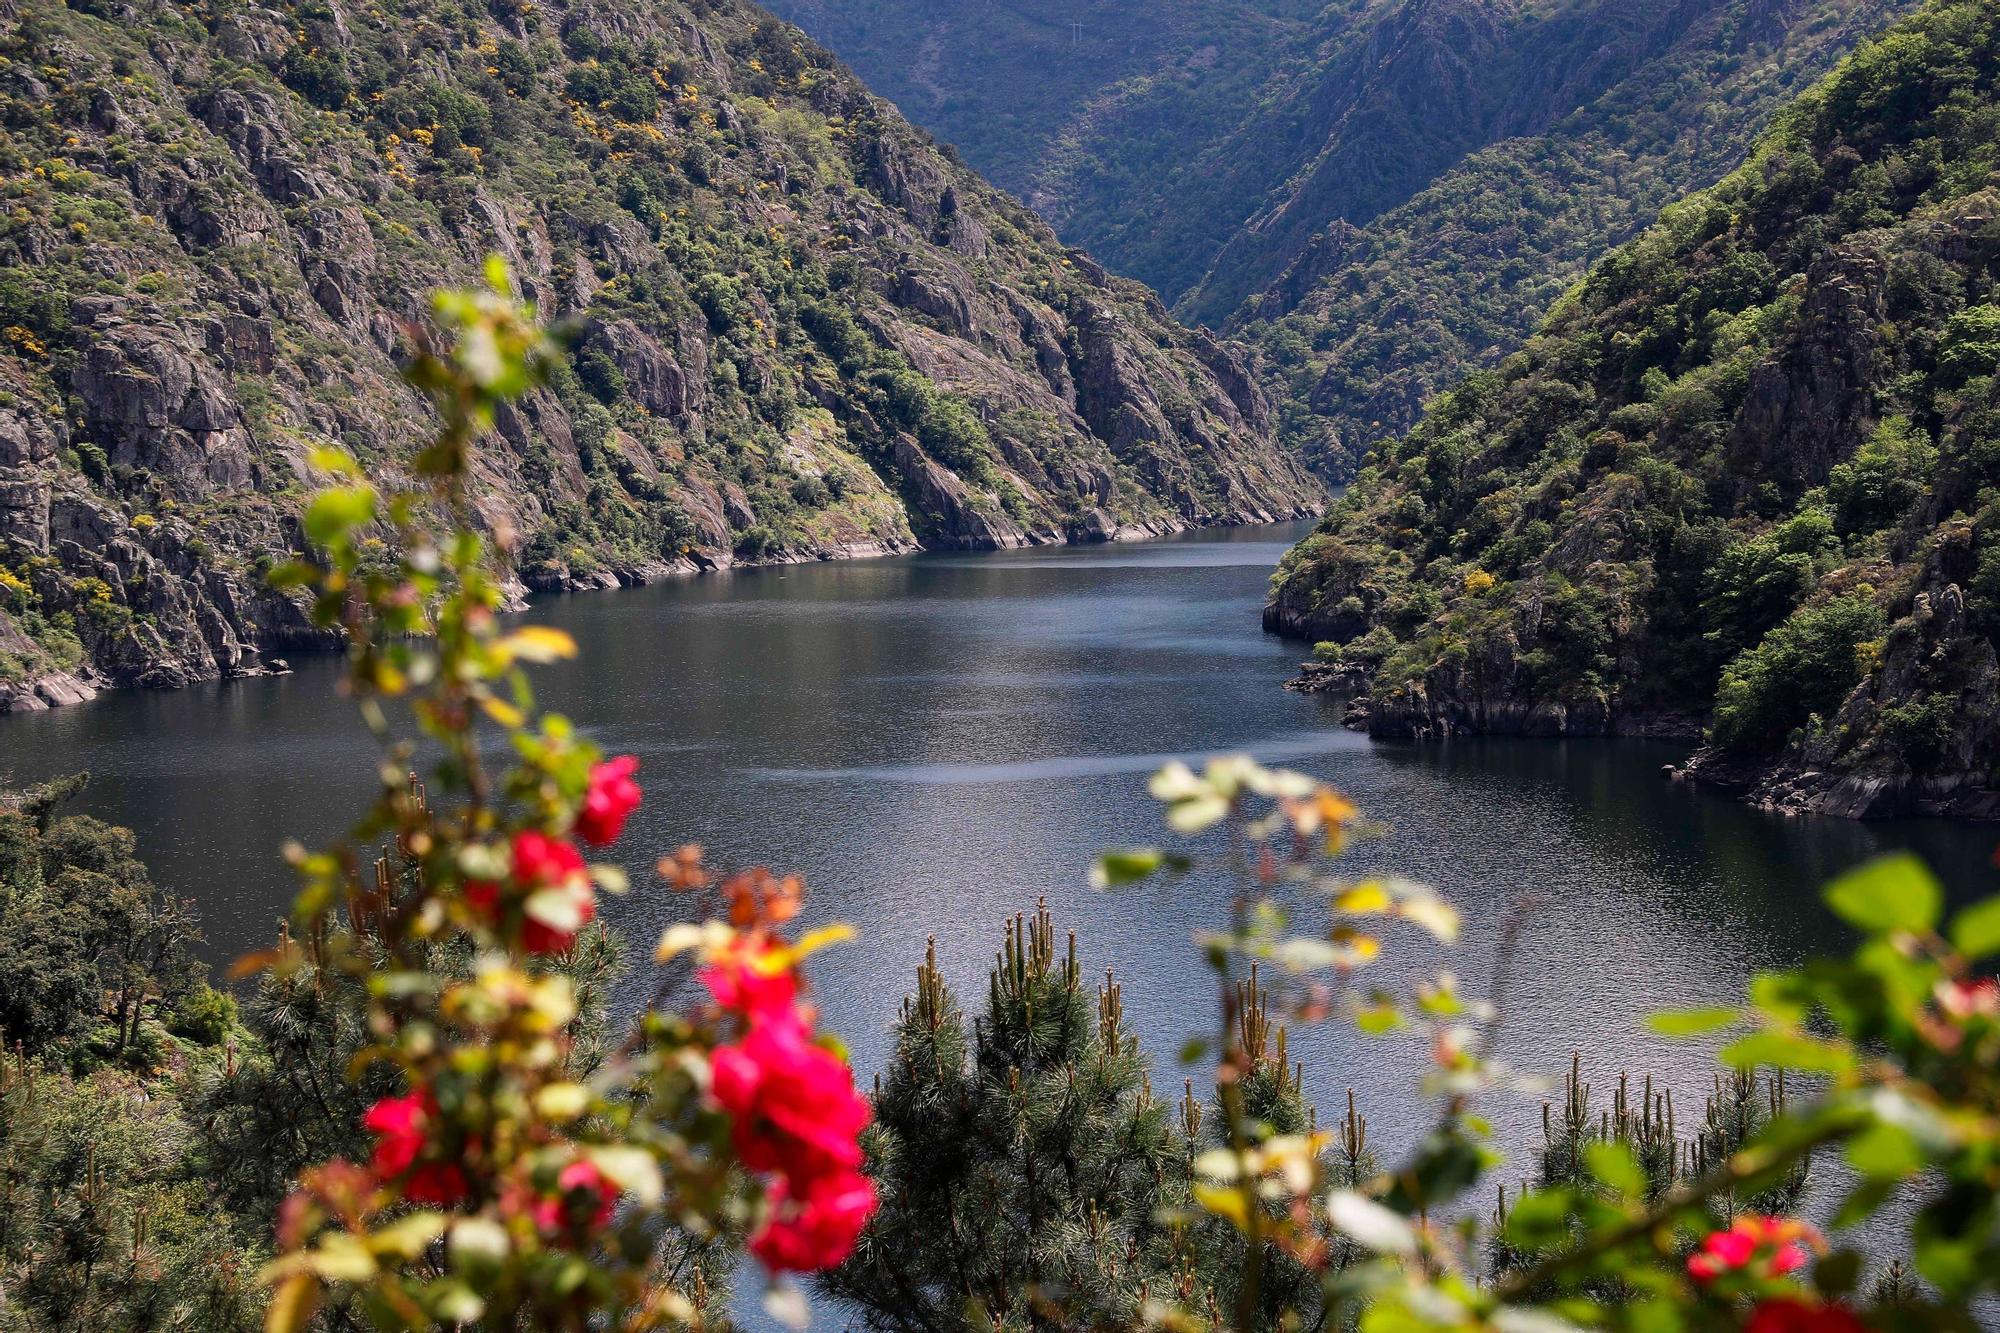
pixel 584 1198
pixel 541 861
pixel 746 983
pixel 1791 1316
pixel 818 1229
pixel 540 864
pixel 401 1129
pixel 1769 1246
pixel 610 799
pixel 1963 999
pixel 793 1104
pixel 398 1126
pixel 436 1185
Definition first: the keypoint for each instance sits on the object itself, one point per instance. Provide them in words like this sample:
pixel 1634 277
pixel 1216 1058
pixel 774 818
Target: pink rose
pixel 610 799
pixel 818 1229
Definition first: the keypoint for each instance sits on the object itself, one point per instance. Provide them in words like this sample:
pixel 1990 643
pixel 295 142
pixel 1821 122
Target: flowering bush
pixel 1631 1228
pixel 515 1180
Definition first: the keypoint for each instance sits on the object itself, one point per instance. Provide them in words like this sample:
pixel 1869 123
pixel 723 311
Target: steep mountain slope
pixel 1368 322
pixel 1747 470
pixel 1004 81
pixel 800 330
pixel 1382 194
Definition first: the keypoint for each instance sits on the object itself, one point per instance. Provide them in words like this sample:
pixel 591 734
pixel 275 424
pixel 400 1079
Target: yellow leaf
pixel 562 1101
pixel 337 461
pixel 1364 899
pixel 342 1258
pixel 631 1169
pixel 502 712
pixel 708 937
pixel 1224 1203
pixel 838 933
pixel 1197 814
pixel 408 1237
pixel 538 643
pixel 292 1304
pixel 1363 947
pixel 1434 915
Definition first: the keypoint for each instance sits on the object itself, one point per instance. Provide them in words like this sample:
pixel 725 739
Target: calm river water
pixel 937 741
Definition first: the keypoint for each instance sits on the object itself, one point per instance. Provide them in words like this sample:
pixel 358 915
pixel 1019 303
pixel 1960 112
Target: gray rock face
pixel 156 407
pixel 800 330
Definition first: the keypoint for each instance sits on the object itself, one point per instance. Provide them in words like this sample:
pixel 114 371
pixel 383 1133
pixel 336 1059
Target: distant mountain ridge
pixel 1745 478
pixel 802 331
pixel 1382 193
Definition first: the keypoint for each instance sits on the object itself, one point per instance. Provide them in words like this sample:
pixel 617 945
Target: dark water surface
pixel 937 741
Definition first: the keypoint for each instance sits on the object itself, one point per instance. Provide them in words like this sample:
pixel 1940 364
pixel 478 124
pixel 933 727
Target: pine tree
pixel 1739 1106
pixel 1029 1176
pixel 1271 1086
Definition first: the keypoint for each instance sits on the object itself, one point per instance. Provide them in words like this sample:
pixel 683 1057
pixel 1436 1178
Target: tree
pixel 1030 1177
pixel 1024 1170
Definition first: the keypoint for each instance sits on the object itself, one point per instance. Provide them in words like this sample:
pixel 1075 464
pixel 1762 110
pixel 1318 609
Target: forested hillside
pixel 1013 85
pixel 1745 473
pixel 799 330
pixel 1369 320
pixel 1382 194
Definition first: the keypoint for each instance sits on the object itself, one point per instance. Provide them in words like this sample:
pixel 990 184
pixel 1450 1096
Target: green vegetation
pixel 107 1160
pixel 799 329
pixel 1373 320
pixel 1378 195
pixel 1026 1164
pixel 1747 468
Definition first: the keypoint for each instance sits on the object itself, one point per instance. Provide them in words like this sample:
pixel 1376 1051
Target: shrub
pixel 204 1015
pixel 1805 666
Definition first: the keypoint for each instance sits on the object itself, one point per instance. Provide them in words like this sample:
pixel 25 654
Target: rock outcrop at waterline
pixel 1746 473
pixel 799 329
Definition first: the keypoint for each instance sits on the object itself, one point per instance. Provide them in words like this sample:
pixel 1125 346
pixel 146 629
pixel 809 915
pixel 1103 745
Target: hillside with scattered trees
pixel 1743 477
pixel 799 330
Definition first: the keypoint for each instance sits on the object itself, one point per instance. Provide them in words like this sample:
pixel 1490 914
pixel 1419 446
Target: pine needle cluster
pixel 1031 1177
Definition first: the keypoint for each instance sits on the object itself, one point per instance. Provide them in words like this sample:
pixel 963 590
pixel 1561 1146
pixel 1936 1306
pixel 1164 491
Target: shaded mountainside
pixel 800 330
pixel 1368 322
pixel 1013 84
pixel 1382 194
pixel 1748 472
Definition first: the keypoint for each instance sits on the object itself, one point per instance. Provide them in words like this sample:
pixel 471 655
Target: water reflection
pixel 937 742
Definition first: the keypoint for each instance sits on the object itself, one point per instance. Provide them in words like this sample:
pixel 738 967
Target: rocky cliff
pixel 1381 195
pixel 1370 317
pixel 1745 474
pixel 800 330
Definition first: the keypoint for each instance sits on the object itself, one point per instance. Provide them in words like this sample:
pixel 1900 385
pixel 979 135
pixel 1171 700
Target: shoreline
pixel 1776 784
pixel 80 685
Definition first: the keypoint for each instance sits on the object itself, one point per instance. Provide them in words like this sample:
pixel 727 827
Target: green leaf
pixel 1785 996
pixel 1885 1151
pixel 1784 1051
pixel 1894 893
pixel 1126 865
pixel 336 511
pixel 1975 932
pixel 1692 1022
pixel 1838 1273
pixel 1376 1019
pixel 292 574
pixel 1540 1219
pixel 1615 1167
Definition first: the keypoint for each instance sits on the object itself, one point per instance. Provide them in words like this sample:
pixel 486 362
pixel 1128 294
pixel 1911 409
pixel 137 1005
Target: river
pixel 937 741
